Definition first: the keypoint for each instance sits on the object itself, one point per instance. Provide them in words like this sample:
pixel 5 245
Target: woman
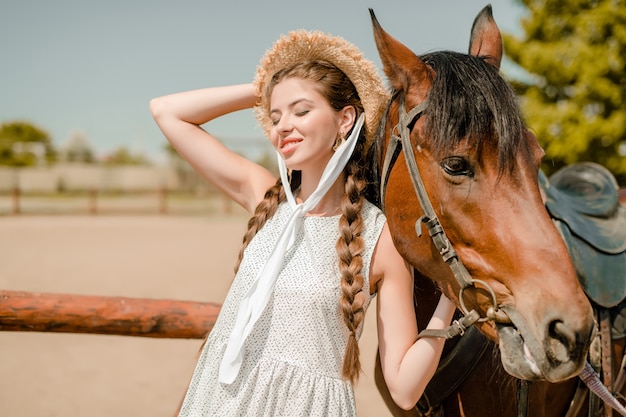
pixel 316 250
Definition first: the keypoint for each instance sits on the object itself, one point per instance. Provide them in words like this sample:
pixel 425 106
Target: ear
pixel 347 119
pixel 403 68
pixel 485 38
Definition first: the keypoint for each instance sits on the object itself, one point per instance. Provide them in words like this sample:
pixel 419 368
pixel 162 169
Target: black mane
pixel 470 100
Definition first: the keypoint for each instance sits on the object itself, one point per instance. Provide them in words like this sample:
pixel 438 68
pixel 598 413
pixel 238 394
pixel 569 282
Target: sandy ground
pixel 71 375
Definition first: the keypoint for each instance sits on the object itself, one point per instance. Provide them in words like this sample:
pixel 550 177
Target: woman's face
pixel 305 126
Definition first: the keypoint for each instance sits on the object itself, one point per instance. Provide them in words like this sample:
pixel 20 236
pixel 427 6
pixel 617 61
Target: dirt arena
pixel 72 375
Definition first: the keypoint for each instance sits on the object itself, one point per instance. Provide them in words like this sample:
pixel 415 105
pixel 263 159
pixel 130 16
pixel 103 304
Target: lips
pixel 287 145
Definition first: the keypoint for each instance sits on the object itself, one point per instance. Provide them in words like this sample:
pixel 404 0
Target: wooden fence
pixel 162 201
pixel 124 316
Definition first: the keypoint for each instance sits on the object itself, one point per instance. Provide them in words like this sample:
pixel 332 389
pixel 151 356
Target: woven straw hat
pixel 301 45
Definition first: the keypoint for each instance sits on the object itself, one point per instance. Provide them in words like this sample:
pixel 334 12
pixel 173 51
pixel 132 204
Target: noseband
pixel 401 139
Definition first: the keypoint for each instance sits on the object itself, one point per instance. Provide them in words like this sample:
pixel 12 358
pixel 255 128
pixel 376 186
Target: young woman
pixel 316 250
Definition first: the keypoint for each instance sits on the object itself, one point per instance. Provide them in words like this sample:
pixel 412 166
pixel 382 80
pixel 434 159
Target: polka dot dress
pixel 294 355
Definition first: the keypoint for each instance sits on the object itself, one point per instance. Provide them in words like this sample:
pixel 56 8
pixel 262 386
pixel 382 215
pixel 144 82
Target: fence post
pixel 93 201
pixel 163 200
pixel 15 194
pixel 227 204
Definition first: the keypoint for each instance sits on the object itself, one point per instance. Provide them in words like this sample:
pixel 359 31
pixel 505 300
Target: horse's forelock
pixel 469 100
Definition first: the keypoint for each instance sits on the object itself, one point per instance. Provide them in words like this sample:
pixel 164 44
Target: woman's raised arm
pixel 180 116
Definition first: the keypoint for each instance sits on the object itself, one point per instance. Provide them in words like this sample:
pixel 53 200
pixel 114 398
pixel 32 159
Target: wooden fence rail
pixel 124 316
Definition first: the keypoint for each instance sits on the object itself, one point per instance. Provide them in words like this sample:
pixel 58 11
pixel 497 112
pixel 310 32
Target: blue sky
pixel 93 66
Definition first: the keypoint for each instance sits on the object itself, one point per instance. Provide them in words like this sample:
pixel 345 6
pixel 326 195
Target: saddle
pixel 582 200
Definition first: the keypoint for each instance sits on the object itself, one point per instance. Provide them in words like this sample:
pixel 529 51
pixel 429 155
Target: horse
pixel 458 172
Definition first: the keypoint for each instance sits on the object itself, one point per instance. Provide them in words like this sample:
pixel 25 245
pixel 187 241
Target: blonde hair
pixel 339 91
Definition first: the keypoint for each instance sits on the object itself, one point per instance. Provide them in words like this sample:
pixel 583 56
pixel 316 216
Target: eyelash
pixel 299 114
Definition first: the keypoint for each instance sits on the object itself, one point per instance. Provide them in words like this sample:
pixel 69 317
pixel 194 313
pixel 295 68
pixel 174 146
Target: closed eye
pixel 300 113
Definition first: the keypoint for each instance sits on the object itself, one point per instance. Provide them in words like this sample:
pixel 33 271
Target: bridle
pixel 401 139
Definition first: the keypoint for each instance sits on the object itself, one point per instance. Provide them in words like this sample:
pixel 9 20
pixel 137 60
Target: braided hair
pixel 340 92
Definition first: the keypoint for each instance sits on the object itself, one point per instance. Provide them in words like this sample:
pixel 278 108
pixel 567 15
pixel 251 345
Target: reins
pixel 401 139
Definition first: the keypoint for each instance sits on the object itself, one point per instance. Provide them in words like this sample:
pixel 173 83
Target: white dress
pixel 294 354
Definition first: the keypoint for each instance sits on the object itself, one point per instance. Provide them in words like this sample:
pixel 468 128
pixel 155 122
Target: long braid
pixel 350 247
pixel 340 92
pixel 264 211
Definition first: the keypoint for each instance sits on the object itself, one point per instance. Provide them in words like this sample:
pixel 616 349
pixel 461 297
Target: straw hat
pixel 301 45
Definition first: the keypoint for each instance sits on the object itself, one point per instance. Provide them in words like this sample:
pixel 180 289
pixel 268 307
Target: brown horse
pixel 454 135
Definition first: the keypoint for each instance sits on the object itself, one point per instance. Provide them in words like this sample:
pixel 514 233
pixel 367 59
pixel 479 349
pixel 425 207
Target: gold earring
pixel 340 140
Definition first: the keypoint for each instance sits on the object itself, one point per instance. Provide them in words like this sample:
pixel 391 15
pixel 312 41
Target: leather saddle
pixel 582 200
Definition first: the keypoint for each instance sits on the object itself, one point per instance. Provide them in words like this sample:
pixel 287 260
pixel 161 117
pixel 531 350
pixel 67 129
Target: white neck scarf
pixel 255 300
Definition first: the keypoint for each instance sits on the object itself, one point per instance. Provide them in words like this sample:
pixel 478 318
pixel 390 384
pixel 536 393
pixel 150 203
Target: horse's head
pixel 459 121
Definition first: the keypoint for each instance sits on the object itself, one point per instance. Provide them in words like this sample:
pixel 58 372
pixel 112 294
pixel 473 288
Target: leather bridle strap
pixel 390 156
pixel 401 138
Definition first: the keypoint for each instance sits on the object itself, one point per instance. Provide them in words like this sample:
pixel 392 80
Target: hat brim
pixel 301 45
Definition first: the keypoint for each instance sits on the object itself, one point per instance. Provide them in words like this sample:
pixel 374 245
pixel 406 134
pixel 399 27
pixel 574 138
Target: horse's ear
pixel 399 62
pixel 485 40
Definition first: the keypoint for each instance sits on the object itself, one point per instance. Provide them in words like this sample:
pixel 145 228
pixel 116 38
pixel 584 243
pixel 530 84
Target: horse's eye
pixel 456 165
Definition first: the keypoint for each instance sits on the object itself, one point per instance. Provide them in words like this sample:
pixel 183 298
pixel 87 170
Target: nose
pixel 282 129
pixel 284 125
pixel 565 342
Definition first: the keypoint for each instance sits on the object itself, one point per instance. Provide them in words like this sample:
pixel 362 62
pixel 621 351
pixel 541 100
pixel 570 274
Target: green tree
pixel 24 144
pixel 574 97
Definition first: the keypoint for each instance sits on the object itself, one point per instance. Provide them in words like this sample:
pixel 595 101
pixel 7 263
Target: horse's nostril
pixel 562 341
